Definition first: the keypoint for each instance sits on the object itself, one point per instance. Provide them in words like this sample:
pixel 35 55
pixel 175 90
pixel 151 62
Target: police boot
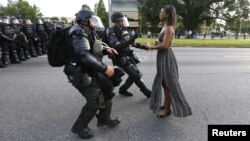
pixel 140 83
pixel 26 54
pixel 38 50
pixel 6 59
pixel 81 124
pixel 124 88
pixel 14 58
pixel 44 51
pixel 109 122
pixel 1 60
pixel 86 133
pixel 5 56
pixel 43 47
pixel 32 51
pixel 103 117
pixel 1 63
pixel 20 54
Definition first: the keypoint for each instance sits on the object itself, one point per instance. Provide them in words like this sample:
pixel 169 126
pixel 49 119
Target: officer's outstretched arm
pixel 81 48
pixel 115 43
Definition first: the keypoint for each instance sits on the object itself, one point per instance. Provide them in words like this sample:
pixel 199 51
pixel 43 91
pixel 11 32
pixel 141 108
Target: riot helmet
pixel 84 15
pixel 90 17
pixel 116 16
pixel 6 20
pixel 39 21
pixel 48 20
pixel 14 21
pixel 27 22
pixel 119 17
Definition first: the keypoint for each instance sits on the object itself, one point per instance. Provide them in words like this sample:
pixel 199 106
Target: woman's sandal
pixel 165 115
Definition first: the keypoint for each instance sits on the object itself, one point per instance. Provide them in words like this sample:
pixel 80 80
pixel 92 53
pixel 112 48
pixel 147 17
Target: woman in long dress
pixel 167 71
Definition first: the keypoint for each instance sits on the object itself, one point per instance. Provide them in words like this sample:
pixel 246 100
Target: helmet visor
pixel 97 22
pixel 6 21
pixel 28 22
pixel 14 21
pixel 39 21
pixel 125 21
pixel 47 20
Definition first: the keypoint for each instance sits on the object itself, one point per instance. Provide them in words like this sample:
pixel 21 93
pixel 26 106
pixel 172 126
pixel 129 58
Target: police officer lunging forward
pixel 125 58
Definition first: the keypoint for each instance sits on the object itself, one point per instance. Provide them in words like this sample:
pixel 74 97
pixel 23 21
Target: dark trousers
pixel 134 75
pixel 93 94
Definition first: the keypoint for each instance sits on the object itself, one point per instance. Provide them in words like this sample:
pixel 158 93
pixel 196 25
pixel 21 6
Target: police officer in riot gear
pixel 118 38
pixel 27 29
pixel 43 36
pixel 3 57
pixel 9 48
pixel 18 38
pixel 1 53
pixel 48 26
pixel 89 75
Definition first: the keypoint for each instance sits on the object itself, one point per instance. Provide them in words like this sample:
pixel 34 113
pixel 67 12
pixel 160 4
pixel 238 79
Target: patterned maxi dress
pixel 167 70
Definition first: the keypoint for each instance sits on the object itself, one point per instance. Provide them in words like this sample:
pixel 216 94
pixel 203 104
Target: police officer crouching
pixel 118 39
pixel 89 75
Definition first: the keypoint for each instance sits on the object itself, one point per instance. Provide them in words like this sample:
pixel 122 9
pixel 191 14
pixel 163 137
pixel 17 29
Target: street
pixel 38 104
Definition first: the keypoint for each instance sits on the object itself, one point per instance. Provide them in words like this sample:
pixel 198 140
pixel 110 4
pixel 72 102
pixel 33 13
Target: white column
pixel 110 11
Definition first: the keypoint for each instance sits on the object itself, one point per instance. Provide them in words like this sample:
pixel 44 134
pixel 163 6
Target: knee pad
pixel 133 72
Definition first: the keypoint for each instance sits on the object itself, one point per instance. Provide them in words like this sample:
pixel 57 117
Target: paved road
pixel 37 103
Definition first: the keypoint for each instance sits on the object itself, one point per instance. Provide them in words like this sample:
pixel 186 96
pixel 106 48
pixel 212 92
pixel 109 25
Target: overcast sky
pixel 66 8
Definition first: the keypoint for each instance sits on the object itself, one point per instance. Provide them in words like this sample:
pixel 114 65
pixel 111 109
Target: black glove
pixel 140 46
pixel 117 77
pixel 133 37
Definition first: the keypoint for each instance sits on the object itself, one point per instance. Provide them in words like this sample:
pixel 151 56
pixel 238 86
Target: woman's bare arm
pixel 166 39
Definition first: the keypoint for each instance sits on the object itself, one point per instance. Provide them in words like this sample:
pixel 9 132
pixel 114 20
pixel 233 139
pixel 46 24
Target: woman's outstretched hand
pixel 148 46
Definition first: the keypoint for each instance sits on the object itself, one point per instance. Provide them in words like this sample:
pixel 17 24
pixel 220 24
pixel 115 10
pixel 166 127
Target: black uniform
pixel 88 77
pixel 4 56
pixel 9 48
pixel 29 33
pixel 20 42
pixel 126 60
pixel 43 37
pixel 49 28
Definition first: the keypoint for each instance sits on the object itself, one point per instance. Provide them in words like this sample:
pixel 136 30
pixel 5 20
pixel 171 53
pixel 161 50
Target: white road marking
pixel 237 56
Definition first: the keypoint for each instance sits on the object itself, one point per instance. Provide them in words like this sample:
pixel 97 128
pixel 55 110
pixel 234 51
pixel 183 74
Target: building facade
pixel 128 8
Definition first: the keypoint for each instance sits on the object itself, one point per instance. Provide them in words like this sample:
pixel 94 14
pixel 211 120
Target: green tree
pixel 234 14
pixel 1 9
pixel 85 7
pixel 55 19
pixel 101 12
pixel 64 19
pixel 21 9
pixel 149 14
pixel 195 12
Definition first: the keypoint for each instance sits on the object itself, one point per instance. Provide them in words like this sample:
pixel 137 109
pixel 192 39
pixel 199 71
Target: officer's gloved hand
pixel 133 37
pixel 140 46
pixel 117 77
